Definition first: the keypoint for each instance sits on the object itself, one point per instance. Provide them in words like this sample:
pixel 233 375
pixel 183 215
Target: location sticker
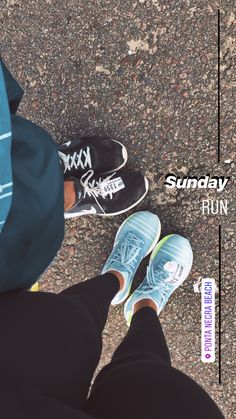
pixel 208 289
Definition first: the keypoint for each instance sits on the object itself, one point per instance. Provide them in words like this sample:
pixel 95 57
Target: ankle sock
pixel 69 194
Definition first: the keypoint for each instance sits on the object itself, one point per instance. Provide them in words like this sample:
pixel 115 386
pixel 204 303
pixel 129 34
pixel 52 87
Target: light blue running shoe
pixel 135 239
pixel 169 265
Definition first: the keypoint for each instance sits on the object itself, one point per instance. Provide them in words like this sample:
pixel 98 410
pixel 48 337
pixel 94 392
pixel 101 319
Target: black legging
pixel 50 347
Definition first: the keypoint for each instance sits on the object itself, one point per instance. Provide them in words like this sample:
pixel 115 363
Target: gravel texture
pixel 145 73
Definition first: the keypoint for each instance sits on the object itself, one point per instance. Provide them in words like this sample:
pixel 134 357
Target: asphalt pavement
pixel 145 73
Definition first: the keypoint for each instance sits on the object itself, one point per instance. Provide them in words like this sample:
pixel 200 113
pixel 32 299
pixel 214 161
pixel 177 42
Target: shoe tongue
pixel 111 185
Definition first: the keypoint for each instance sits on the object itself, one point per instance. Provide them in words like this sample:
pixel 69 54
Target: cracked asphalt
pixel 145 73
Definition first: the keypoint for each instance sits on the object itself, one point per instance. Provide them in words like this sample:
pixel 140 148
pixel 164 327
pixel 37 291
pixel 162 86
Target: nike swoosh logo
pixel 92 210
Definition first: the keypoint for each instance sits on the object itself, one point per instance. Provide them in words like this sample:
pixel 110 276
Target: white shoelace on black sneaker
pixel 94 187
pixel 76 160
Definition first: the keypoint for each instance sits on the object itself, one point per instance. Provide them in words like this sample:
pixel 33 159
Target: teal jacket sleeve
pixel 14 90
pixel 31 194
pixel 6 183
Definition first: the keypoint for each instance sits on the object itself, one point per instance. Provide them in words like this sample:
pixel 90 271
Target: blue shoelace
pixel 128 252
pixel 158 279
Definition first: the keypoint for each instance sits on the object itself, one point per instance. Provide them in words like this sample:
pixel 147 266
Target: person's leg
pixel 143 345
pixel 145 339
pixel 135 238
pixel 140 382
pixel 55 341
pixel 96 293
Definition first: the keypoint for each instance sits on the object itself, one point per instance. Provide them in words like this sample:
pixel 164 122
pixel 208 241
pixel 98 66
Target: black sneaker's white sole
pixel 79 214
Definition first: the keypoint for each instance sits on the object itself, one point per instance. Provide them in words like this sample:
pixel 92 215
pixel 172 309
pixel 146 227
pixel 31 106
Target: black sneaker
pixel 102 155
pixel 107 195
